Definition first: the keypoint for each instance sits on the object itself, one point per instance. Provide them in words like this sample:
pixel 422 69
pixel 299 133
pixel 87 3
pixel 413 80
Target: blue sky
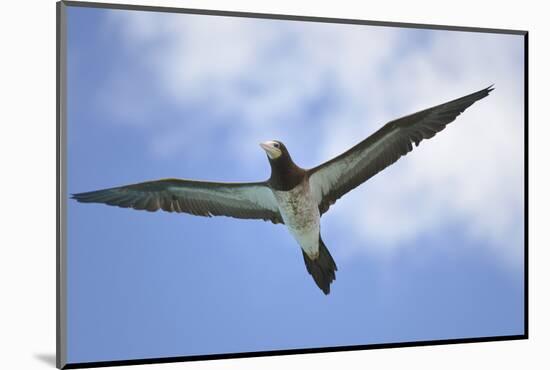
pixel 431 248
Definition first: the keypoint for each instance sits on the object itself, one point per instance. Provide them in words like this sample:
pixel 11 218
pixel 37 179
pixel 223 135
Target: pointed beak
pixel 271 151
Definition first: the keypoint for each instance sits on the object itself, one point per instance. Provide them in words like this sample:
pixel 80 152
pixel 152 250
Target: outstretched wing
pixel 332 179
pixel 201 198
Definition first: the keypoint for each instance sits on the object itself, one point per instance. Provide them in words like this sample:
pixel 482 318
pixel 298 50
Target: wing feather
pixel 241 200
pixel 332 179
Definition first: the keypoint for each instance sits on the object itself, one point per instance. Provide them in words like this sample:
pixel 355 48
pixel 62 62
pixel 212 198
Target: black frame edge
pixel 526 184
pixel 164 360
pixel 61 266
pixel 165 9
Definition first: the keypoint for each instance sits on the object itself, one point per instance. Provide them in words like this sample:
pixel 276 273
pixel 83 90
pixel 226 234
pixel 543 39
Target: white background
pixel 27 178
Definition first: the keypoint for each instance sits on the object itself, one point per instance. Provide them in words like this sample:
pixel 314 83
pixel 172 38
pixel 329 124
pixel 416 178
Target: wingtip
pixel 490 88
pixel 79 197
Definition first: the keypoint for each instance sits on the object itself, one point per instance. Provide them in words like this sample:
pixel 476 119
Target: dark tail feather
pixel 322 269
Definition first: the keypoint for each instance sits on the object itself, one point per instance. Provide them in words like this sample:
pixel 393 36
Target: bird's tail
pixel 323 268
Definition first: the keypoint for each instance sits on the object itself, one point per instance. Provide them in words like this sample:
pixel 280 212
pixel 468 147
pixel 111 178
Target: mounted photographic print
pixel 237 184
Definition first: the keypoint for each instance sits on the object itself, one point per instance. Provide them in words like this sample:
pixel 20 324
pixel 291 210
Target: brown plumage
pixel 292 195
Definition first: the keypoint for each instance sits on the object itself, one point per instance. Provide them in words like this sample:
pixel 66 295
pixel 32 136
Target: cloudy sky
pixel 430 248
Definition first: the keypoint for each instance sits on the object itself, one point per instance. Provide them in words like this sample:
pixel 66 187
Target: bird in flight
pixel 292 196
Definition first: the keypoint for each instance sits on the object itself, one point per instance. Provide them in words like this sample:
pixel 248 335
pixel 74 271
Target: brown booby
pixel 292 196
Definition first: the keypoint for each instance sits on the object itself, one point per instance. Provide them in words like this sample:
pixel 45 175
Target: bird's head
pixel 285 174
pixel 275 150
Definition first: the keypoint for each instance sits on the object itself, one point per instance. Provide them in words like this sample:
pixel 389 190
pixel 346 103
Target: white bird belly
pixel 301 216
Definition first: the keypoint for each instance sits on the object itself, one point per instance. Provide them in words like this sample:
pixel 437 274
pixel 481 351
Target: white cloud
pixel 265 73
